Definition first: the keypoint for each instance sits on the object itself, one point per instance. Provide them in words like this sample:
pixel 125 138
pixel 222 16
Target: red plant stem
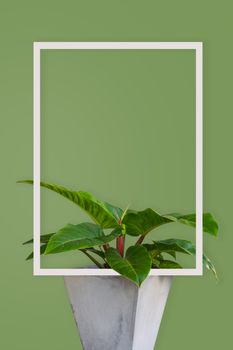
pixel 120 244
pixel 140 240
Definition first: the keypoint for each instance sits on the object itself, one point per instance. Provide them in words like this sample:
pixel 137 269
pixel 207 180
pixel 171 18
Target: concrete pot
pixel 111 313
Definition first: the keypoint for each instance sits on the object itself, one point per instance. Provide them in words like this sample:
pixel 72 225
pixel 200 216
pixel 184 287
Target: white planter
pixel 113 314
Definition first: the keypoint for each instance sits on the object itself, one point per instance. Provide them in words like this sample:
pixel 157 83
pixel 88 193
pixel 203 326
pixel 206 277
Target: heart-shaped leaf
pixel 103 213
pixel 135 265
pixel 81 236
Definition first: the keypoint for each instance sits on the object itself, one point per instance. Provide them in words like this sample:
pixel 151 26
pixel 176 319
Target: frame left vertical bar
pixel 36 158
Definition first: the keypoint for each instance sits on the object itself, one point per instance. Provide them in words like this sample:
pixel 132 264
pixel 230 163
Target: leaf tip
pixel 48 250
pixel 24 181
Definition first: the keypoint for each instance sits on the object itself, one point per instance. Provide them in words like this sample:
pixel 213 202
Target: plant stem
pixel 106 246
pixel 120 244
pixel 141 239
pixel 92 259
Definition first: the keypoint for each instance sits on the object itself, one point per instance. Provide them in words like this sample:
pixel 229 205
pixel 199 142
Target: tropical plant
pixel 134 264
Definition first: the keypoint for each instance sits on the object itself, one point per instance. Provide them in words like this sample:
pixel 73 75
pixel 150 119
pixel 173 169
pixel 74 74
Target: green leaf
pixel 141 222
pixel 97 252
pixel 181 246
pixel 176 245
pixel 103 213
pixel 42 250
pixel 209 265
pixel 135 266
pixel 172 253
pixel 81 236
pixel 209 224
pixel 43 238
pixel 96 262
pixel 168 264
pixel 155 250
pixel 92 250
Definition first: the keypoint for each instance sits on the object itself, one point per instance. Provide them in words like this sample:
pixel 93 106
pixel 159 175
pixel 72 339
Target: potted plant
pixel 112 312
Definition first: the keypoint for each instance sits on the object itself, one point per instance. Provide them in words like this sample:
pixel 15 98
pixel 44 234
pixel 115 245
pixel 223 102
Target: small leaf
pixel 155 250
pixel 103 213
pixel 81 236
pixel 168 264
pixel 176 245
pixel 209 224
pixel 209 265
pixel 135 266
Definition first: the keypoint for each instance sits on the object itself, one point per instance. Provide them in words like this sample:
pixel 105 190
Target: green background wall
pixel 34 311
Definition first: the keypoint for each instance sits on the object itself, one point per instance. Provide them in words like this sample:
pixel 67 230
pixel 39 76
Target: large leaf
pixel 141 222
pixel 103 213
pixel 81 236
pixel 135 266
pixel 178 245
pixel 209 224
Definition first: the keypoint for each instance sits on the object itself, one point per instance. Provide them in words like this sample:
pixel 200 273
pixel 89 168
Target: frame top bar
pixel 119 45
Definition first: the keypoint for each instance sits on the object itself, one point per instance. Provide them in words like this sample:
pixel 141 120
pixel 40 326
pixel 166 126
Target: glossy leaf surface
pixel 81 236
pixel 103 213
pixel 141 222
pixel 135 265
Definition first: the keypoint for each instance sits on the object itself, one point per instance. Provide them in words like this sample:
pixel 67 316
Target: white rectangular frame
pixel 38 46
